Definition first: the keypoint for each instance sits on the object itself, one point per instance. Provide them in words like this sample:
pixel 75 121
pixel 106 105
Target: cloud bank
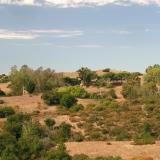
pixel 78 3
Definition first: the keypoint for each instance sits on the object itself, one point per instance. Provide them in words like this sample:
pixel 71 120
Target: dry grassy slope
pixel 124 149
pixel 26 103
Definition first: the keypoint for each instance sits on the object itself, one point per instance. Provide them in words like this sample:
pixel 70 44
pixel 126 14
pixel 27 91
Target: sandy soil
pixel 86 102
pixel 124 149
pixel 26 103
pixel 92 89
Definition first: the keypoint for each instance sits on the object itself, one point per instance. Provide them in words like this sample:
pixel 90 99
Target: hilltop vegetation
pixel 123 107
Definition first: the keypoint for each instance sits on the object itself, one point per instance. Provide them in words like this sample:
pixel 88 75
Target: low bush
pixel 77 108
pixel 85 157
pixel 6 111
pixel 14 124
pixel 144 139
pixel 95 96
pixel 68 100
pixel 75 91
pixel 60 154
pixel 77 137
pixel 51 97
pixel 112 93
pixel 71 81
pixel 80 157
pixel 50 122
pixel 62 133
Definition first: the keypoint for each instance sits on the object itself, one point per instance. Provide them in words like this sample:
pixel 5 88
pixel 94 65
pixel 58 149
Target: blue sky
pixel 66 35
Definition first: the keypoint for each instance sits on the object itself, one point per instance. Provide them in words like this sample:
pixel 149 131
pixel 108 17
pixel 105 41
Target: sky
pixel 68 34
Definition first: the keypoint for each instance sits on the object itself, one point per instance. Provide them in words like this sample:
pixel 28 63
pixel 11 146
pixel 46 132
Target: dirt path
pixel 123 149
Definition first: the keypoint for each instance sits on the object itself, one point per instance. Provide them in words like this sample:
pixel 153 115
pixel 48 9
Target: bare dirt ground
pixel 26 104
pixel 92 89
pixel 123 149
pixel 86 102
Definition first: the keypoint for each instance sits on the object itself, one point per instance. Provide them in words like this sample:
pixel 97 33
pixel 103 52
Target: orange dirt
pixel 97 90
pixel 86 102
pixel 26 103
pixel 123 149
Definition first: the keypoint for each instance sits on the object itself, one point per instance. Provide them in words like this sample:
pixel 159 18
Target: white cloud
pixel 18 2
pixel 33 34
pixel 77 3
pixel 121 32
pixel 5 34
pixel 60 33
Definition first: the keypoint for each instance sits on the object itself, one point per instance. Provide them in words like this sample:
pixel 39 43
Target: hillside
pixel 115 113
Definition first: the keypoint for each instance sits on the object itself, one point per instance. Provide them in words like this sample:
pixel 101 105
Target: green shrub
pixel 95 96
pixel 75 91
pixel 60 154
pixel 62 133
pixel 51 97
pixel 80 157
pixel 71 81
pixel 68 100
pixel 77 137
pixel 112 93
pixel 77 108
pixel 22 138
pixel 30 86
pixel 5 140
pixel 144 139
pixel 86 76
pixel 85 157
pixel 14 124
pixel 131 92
pixel 50 122
pixel 122 137
pixel 6 111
